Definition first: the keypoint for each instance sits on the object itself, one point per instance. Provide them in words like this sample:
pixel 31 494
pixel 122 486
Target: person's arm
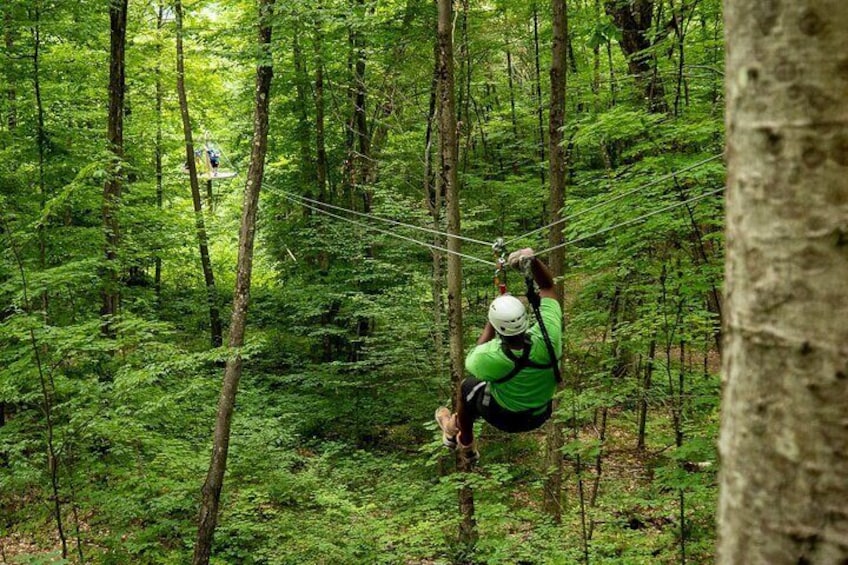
pixel 487 335
pixel 544 279
pixel 541 274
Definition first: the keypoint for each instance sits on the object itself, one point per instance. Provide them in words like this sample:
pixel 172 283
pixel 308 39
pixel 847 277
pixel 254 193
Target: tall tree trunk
pixel 11 93
pixel 784 474
pixel 241 298
pixel 349 167
pixel 645 386
pixel 509 71
pixel 713 296
pixel 635 18
pixel 40 142
pixel 321 150
pixel 216 328
pixel 448 150
pixel 679 24
pixel 302 128
pixel 433 196
pixel 596 64
pixel 539 111
pixel 210 194
pixel 359 152
pixel 463 115
pixel 160 11
pixel 114 182
pixel 556 121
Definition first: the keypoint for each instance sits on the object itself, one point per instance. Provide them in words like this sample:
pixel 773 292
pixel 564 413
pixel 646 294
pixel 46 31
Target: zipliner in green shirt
pixel 531 388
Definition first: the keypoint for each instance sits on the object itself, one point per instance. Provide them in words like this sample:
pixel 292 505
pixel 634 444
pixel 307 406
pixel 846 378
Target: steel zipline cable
pixel 387 220
pixel 616 198
pixel 380 230
pixel 633 221
pixel 302 201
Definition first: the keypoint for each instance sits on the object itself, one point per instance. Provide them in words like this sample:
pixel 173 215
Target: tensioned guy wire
pixel 616 198
pixel 633 221
pixel 386 232
pixel 387 220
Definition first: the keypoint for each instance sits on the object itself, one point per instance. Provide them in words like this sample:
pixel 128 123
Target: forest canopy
pixel 123 176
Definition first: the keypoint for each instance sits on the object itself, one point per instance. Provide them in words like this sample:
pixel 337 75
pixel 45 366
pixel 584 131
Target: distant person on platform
pixel 214 160
pixel 513 382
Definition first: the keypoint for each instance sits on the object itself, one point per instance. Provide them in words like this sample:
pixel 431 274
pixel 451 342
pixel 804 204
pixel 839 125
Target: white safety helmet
pixel 508 315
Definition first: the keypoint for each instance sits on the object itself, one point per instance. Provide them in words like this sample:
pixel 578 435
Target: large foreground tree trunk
pixel 448 149
pixel 115 137
pixel 553 482
pixel 241 299
pixel 216 328
pixel 784 477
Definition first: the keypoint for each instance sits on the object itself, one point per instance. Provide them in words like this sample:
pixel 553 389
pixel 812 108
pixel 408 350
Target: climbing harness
pixel 522 362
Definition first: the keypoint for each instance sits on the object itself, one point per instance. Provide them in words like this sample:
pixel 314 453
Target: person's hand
pixel 516 258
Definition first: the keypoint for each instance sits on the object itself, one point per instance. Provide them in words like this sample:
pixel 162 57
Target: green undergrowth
pixel 294 498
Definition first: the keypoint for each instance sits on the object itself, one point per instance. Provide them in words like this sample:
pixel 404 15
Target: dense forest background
pixel 105 431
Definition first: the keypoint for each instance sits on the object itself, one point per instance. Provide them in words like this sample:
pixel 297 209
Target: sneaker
pixel 447 422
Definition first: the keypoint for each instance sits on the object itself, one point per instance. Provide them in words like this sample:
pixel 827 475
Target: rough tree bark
pixel 357 140
pixel 11 92
pixel 321 149
pixel 302 128
pixel 216 328
pixel 784 475
pixel 115 137
pixel 448 149
pixel 40 143
pixel 539 111
pixel 241 298
pixel 509 71
pixel 634 18
pixel 556 169
pixel 160 12
pixel 433 197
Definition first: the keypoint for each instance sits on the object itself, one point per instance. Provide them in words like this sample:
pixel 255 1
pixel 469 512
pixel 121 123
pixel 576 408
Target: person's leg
pixel 469 409
pixel 461 423
pixel 465 416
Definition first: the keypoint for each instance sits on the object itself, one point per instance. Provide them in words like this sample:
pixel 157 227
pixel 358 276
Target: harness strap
pixel 536 302
pixel 520 363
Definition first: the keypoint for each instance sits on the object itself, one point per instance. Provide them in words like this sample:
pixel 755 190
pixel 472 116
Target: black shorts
pixel 478 400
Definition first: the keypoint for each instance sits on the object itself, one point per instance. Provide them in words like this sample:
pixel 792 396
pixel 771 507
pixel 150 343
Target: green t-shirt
pixel 531 388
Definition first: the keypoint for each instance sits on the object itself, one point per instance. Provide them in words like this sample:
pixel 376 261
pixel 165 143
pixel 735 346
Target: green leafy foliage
pixel 333 456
